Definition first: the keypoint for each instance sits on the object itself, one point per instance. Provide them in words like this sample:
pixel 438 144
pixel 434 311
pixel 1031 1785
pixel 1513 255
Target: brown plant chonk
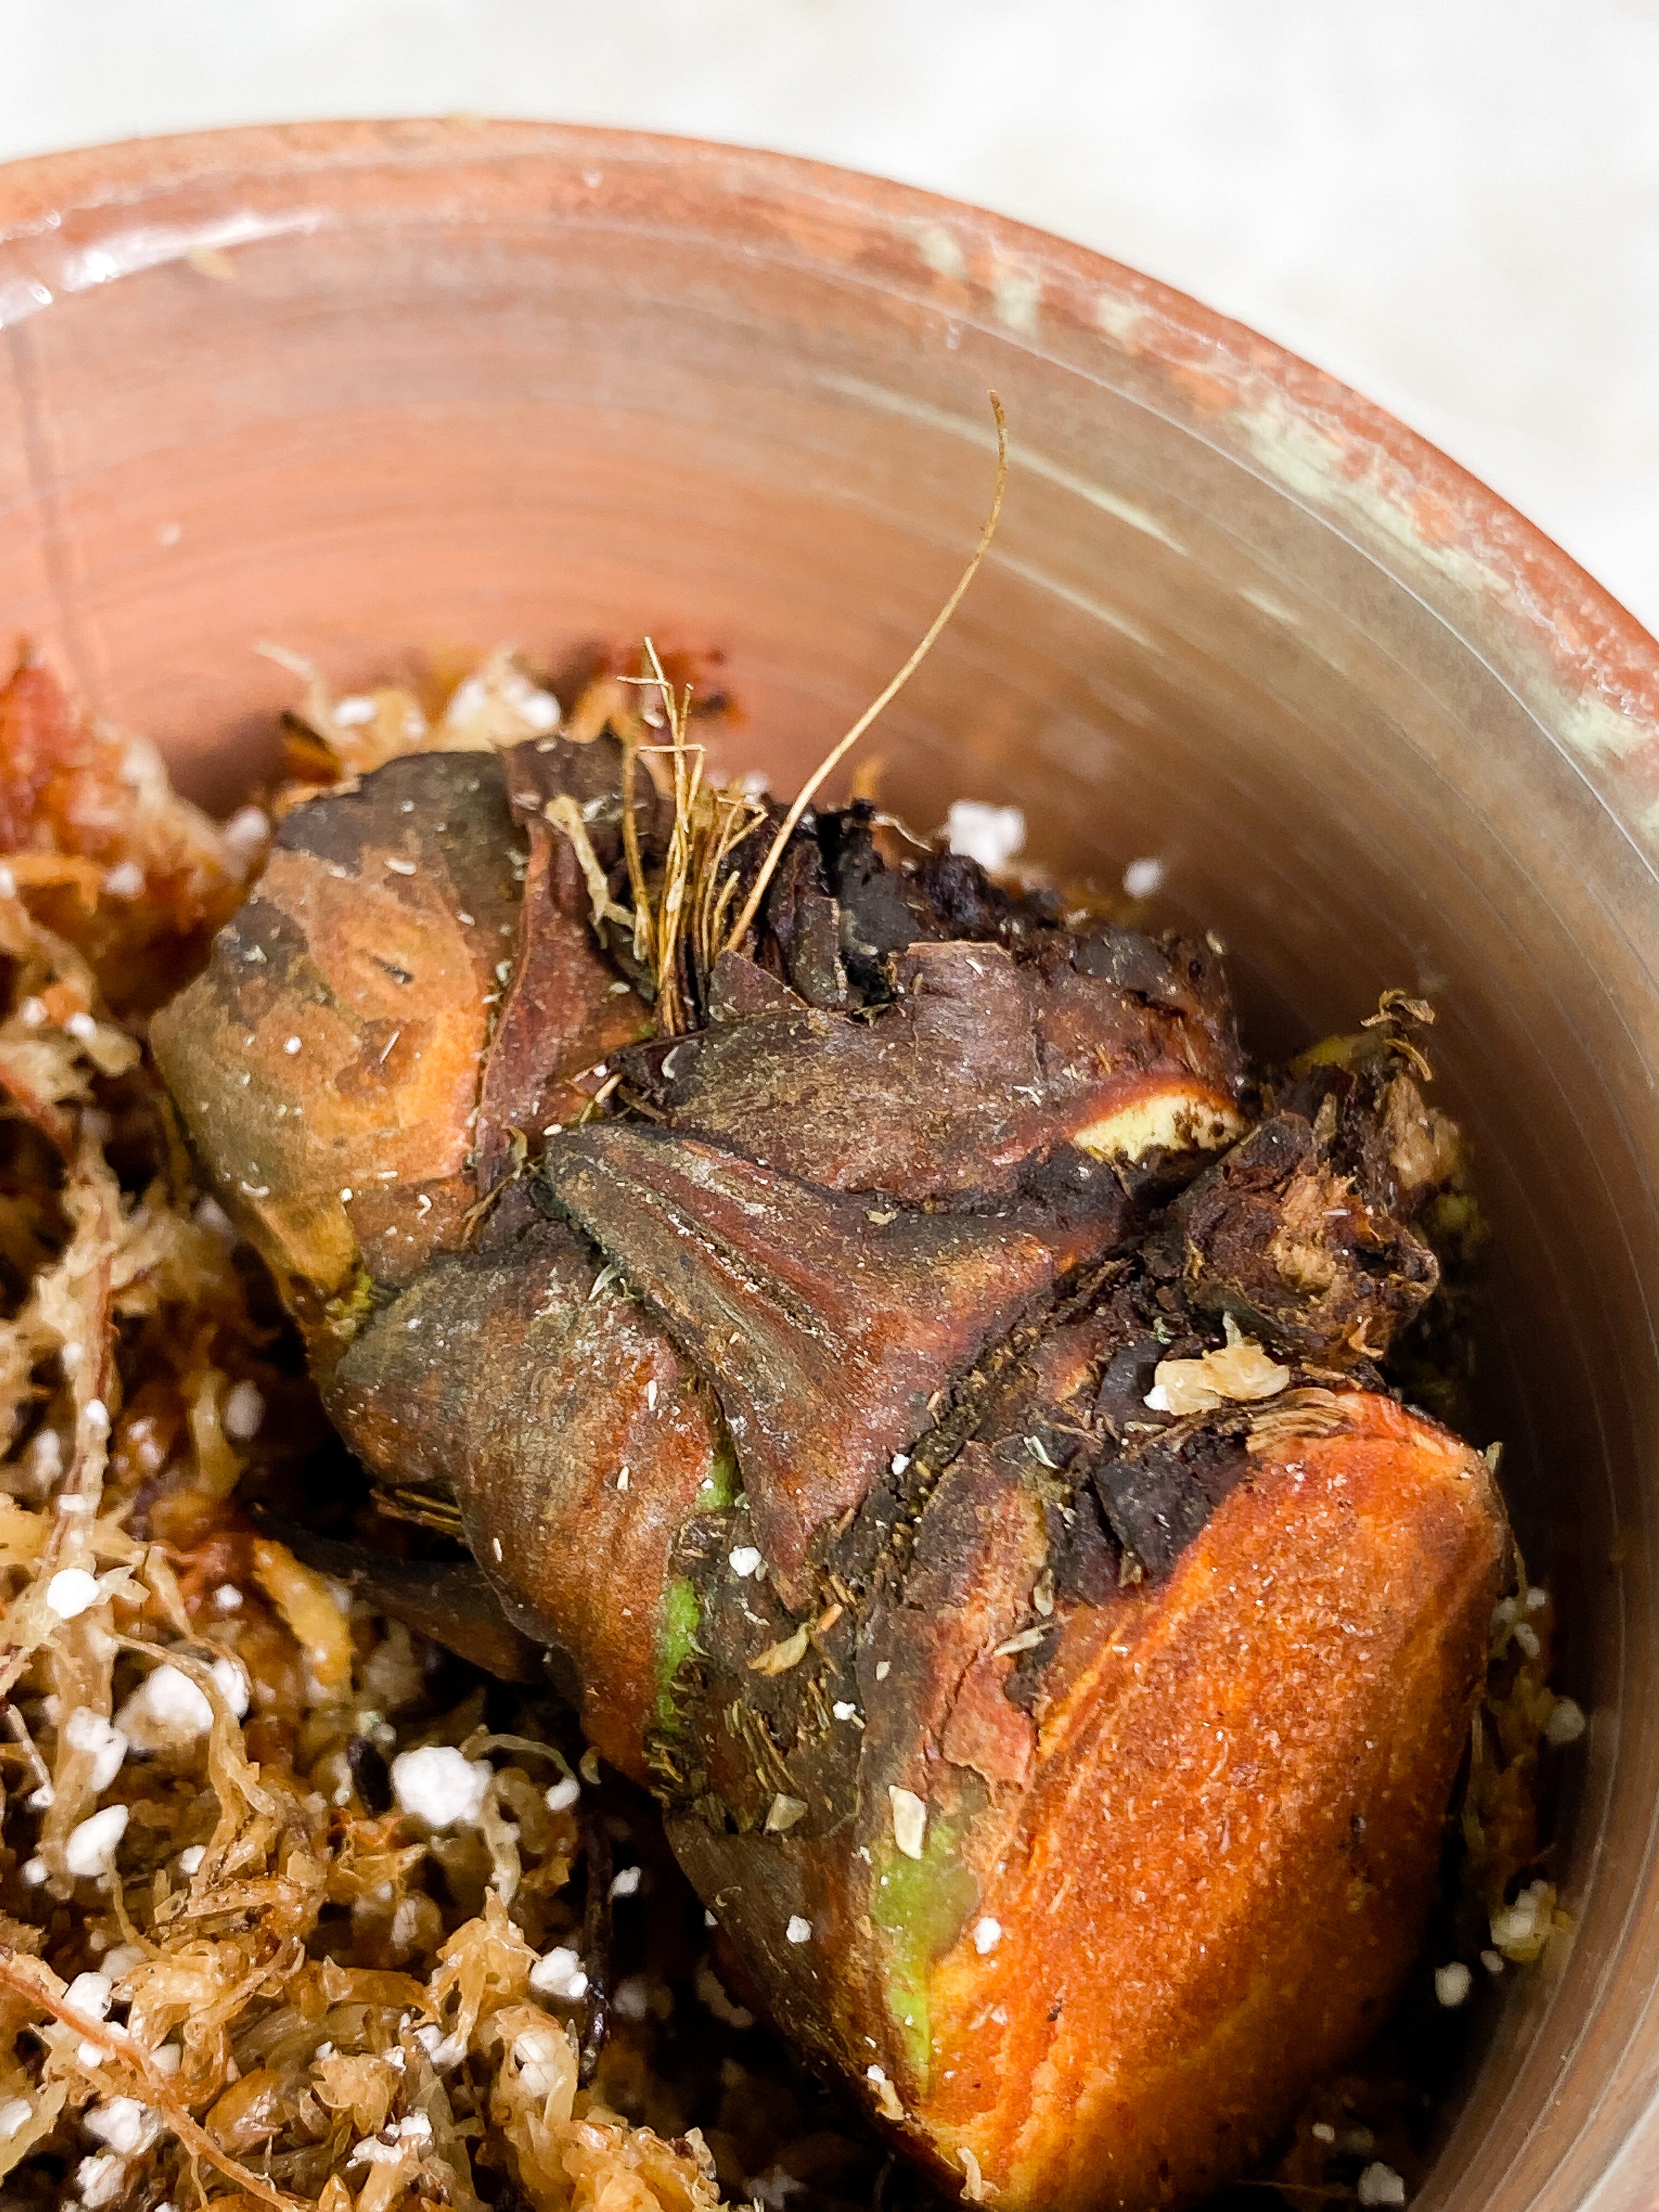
pixel 930 1409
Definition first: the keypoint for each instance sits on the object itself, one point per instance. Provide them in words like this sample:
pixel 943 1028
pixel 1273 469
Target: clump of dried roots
pixel 682 915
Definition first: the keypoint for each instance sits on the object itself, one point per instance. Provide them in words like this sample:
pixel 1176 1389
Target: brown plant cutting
pixel 919 1390
pixel 855 1406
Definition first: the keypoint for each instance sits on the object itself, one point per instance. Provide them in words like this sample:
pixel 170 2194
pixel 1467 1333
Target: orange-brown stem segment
pixel 1066 1760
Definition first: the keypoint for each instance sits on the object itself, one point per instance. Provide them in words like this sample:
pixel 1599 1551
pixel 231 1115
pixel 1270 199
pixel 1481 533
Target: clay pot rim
pixel 1326 445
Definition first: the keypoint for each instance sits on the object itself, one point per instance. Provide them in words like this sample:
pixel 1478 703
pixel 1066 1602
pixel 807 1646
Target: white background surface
pixel 1452 203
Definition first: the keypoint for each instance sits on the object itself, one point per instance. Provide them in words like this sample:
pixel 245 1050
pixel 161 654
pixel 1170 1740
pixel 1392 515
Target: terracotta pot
pixel 363 386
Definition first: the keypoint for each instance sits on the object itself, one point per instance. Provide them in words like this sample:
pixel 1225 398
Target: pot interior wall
pixel 399 427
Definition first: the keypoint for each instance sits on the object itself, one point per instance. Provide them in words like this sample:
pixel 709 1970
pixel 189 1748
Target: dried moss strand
pixel 16 1976
pixel 92 1200
pixel 717 888
pixel 644 920
pixel 672 1015
pixel 565 815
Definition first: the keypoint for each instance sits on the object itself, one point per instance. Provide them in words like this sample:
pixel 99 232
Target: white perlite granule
pixel 91 1847
pixel 563 1795
pixel 987 1934
pixel 70 1591
pixel 438 1785
pixel 230 1680
pixel 560 1974
pixel 247 829
pixel 544 2059
pixel 1520 1930
pixel 783 1812
pixel 101 2180
pixel 1565 1723
pixel 1142 879
pixel 168 1709
pixel 909 1821
pixel 1381 2184
pixel 537 710
pixel 990 834
pixel 90 1996
pixel 211 1216
pixel 244 1410
pixel 798 1931
pixel 444 2050
pixel 710 1992
pixel 387 2148
pixel 371 2151
pixel 123 2125
pixel 89 1732
pixel 1452 1983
